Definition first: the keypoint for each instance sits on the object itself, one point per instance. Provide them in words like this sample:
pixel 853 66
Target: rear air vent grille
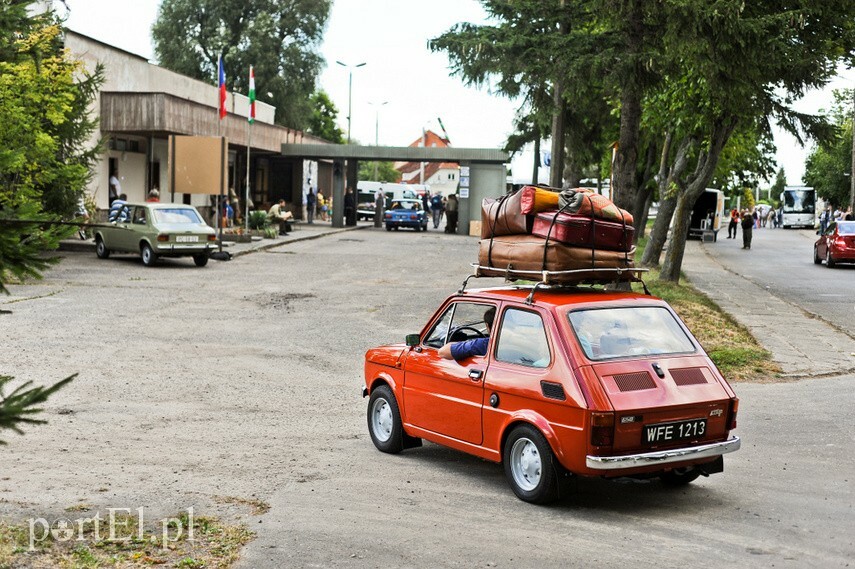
pixel 552 390
pixel 688 376
pixel 634 381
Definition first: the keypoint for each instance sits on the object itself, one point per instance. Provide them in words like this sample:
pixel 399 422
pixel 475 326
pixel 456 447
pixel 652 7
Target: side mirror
pixel 413 340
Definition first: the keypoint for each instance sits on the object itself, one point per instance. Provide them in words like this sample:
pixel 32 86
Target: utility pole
pixel 350 69
pixel 377 129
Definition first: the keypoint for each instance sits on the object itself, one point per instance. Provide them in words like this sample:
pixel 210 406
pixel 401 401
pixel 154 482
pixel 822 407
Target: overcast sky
pixel 391 38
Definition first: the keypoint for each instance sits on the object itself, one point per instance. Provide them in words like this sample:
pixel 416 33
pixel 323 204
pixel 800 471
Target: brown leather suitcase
pixel 583 231
pixel 526 253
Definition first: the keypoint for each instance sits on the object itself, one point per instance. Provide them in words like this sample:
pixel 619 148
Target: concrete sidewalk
pixel 301 232
pixel 800 342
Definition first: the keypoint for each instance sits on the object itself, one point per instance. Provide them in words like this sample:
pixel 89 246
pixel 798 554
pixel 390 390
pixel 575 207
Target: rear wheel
pixel 816 259
pixel 384 420
pixel 679 476
pixel 829 262
pixel 388 227
pixel 101 249
pixel 149 257
pixel 530 466
pixel 201 259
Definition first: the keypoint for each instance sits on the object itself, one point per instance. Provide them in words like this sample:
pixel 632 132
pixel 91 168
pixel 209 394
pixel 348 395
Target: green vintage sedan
pixel 155 230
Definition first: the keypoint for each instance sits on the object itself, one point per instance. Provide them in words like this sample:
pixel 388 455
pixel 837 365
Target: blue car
pixel 406 213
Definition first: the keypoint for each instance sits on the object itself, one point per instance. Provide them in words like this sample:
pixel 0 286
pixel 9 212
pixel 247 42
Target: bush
pixel 258 220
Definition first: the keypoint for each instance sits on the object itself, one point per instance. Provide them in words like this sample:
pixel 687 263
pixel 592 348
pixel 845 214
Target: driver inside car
pixel 467 348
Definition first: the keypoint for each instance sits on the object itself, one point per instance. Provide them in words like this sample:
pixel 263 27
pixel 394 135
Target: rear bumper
pixel 663 457
pixel 184 249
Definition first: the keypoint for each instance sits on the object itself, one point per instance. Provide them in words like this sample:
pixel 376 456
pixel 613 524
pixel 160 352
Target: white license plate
pixel 186 238
pixel 680 430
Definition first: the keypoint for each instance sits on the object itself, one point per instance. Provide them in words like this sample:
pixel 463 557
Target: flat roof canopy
pixel 395 153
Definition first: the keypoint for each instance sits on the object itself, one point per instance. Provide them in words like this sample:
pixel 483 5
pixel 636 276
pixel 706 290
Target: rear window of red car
pixel 606 333
pixel 846 228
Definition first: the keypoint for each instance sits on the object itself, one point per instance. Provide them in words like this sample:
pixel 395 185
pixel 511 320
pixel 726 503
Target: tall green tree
pixel 828 167
pixel 280 39
pixel 322 122
pixel 378 172
pixel 724 87
pixel 45 154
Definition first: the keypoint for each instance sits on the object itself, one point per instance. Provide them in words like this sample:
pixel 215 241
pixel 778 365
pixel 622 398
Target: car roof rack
pixel 559 279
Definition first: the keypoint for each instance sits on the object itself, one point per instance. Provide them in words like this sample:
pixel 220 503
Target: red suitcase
pixel 583 231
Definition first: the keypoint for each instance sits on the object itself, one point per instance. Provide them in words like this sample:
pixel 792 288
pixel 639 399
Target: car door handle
pixel 476 374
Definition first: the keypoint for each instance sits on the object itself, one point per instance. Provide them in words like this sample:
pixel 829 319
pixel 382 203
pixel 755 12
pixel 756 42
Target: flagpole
pixel 248 146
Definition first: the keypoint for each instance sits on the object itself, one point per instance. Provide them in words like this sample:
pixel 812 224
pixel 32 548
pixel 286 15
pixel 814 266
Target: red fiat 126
pixel 578 381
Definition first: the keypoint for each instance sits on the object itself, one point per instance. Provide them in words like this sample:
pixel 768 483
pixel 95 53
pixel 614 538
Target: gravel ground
pixel 239 382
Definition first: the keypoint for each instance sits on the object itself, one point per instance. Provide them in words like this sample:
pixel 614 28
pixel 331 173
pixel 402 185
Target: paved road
pixel 241 380
pixel 802 312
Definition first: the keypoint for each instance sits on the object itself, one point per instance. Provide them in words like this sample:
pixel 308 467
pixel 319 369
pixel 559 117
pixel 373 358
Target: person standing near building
pixel 451 214
pixel 349 207
pixel 437 206
pixel 310 206
pixel 379 206
pixel 748 222
pixel 115 187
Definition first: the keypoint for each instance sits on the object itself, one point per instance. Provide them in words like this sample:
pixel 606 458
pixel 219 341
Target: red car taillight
pixel 731 416
pixel 602 429
pixel 412 216
pixel 388 216
pixel 163 238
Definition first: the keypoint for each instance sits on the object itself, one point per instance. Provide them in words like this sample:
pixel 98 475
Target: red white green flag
pixel 251 94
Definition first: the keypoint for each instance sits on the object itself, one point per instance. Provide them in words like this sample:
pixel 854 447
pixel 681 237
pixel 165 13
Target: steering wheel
pixel 478 333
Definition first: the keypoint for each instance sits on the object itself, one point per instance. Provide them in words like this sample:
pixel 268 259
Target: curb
pixel 265 246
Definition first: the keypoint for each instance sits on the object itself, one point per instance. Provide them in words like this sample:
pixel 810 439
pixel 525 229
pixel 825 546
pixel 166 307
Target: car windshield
pixel 846 228
pixel 177 215
pixel 606 333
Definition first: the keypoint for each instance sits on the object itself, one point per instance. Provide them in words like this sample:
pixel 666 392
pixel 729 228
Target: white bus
pixel 799 203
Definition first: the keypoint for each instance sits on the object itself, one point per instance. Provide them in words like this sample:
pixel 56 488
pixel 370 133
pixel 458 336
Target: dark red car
pixel 574 381
pixel 836 245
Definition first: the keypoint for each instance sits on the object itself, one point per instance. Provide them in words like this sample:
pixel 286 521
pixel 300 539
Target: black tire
pixel 816 259
pixel 149 257
pixel 101 249
pixel 201 259
pixel 384 420
pixel 679 476
pixel 388 227
pixel 530 466
pixel 829 262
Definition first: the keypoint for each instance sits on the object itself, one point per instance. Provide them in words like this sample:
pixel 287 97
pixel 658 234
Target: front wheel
pixel 149 257
pixel 816 259
pixel 101 249
pixel 201 259
pixel 530 466
pixel 384 420
pixel 829 262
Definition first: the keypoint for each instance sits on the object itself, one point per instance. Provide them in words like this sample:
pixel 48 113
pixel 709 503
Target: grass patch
pixel 730 345
pixel 214 544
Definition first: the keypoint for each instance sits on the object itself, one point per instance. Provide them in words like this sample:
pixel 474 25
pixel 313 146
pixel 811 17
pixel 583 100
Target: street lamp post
pixel 377 128
pixel 350 69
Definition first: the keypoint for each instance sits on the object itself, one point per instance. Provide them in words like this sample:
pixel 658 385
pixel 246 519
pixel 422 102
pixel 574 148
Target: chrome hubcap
pixel 381 420
pixel 526 464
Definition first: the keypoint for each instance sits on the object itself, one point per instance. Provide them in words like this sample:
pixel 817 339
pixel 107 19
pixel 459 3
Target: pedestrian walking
pixel 437 206
pixel 349 207
pixel 748 222
pixel 734 222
